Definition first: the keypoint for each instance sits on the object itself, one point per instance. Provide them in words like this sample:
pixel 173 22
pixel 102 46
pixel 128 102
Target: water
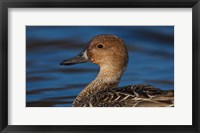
pixel 151 60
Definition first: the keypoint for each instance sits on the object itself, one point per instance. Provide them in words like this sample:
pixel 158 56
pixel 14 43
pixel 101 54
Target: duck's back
pixel 132 96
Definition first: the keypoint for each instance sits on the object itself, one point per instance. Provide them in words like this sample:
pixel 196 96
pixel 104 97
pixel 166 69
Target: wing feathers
pixel 133 96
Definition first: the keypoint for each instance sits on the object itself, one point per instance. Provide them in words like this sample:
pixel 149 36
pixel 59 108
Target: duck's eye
pixel 100 46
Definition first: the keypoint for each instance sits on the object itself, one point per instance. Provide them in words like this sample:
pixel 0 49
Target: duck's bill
pixel 81 58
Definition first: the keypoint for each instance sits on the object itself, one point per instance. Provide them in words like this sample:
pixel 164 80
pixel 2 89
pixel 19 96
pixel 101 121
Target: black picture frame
pixel 5 4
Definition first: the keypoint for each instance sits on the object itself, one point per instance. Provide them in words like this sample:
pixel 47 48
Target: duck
pixel 110 53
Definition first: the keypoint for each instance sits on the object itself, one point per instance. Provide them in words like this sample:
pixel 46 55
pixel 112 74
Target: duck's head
pixel 108 51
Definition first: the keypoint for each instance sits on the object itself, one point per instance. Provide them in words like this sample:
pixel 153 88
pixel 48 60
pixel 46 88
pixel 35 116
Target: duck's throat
pixel 105 80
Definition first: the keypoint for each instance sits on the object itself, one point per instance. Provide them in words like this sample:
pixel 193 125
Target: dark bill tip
pixel 66 63
pixel 61 63
pixel 81 58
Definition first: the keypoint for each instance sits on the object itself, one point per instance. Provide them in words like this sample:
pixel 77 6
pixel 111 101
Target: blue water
pixel 151 60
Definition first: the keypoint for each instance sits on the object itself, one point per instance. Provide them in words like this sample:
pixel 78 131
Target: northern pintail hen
pixel 110 53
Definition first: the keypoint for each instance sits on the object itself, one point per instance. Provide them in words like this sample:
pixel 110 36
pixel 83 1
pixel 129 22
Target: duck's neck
pixel 107 78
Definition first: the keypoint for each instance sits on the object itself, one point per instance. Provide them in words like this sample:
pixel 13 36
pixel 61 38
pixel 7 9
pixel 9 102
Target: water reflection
pixel 151 60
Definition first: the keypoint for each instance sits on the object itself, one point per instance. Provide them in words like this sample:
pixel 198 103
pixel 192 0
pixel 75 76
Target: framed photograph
pixel 103 66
